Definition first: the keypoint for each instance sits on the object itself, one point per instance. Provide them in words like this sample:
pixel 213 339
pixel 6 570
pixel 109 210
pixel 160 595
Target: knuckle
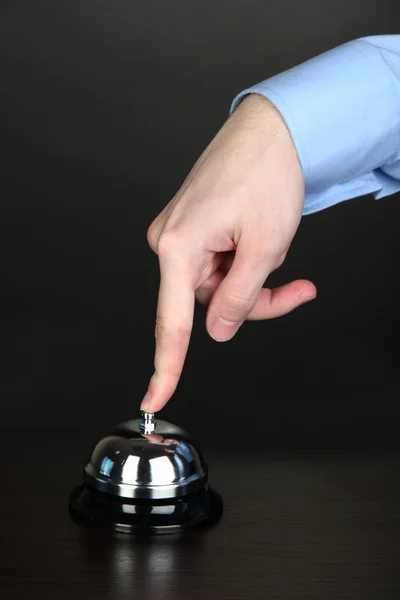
pixel 166 334
pixel 162 331
pixel 174 246
pixel 236 305
pixel 152 237
pixel 168 244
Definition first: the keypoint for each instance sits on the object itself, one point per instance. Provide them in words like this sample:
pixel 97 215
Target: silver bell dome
pixel 144 459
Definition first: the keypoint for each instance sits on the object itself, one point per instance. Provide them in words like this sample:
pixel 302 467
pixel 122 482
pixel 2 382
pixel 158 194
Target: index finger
pixel 175 313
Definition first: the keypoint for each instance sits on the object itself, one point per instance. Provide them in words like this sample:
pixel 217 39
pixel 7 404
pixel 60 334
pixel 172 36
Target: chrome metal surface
pixel 132 464
pixel 147 422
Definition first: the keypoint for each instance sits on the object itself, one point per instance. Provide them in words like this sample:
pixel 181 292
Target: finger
pixel 282 300
pixel 207 290
pixel 174 324
pixel 237 294
pixel 218 267
pixel 271 303
pixel 154 438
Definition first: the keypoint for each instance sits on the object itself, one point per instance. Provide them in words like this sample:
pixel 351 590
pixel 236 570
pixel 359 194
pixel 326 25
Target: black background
pixel 104 108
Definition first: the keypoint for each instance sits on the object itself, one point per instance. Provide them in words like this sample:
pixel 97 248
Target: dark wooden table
pixel 312 525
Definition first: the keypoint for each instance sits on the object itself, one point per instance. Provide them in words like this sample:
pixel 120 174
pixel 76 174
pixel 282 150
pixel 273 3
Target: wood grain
pixel 295 526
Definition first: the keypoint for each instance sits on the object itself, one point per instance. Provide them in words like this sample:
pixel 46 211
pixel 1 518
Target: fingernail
pixel 146 402
pixel 222 330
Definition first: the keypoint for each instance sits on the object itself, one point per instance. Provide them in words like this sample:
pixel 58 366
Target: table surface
pixel 296 525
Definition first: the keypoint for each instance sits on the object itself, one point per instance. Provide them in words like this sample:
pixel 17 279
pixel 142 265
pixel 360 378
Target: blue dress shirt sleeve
pixel 342 109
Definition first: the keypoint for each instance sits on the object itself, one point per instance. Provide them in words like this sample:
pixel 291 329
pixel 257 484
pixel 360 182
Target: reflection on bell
pixel 146 476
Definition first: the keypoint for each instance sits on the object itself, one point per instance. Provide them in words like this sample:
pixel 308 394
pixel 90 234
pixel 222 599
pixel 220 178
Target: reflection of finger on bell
pixel 154 482
pixel 154 438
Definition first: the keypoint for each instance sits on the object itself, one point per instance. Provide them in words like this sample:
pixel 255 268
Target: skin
pixel 228 227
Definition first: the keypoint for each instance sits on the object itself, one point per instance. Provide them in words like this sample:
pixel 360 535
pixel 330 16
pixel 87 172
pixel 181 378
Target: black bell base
pixel 145 516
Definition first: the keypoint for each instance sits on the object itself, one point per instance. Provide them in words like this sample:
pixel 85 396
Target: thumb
pixel 237 294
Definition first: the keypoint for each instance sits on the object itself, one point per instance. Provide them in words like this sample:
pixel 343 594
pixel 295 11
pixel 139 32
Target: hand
pixel 229 226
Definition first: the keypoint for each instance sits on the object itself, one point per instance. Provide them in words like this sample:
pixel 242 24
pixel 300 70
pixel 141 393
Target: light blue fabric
pixel 342 109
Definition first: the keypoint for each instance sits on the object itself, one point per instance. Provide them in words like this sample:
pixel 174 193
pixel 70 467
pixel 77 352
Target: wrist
pixel 259 111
